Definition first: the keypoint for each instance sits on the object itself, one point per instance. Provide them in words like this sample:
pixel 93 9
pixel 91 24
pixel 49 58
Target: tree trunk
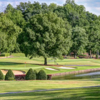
pixel 10 53
pixel 45 61
pixel 75 55
pixel 97 54
pixel 90 54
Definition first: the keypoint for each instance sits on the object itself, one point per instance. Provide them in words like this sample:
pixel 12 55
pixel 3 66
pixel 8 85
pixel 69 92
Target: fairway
pixel 50 50
pixel 13 86
pixel 72 94
pixel 20 62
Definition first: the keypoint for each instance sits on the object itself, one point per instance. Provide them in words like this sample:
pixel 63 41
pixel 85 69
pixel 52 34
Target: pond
pixel 88 74
pixel 78 76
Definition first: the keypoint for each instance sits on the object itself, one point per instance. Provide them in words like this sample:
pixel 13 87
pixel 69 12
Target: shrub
pixel 30 75
pixel 7 54
pixel 2 55
pixel 10 75
pixel 36 73
pixel 77 57
pixel 1 75
pixel 41 75
pixel 97 56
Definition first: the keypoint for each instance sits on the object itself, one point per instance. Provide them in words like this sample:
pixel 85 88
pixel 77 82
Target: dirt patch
pixel 16 72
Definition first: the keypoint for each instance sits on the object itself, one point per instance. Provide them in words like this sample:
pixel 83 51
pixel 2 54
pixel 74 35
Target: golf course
pixel 84 89
pixel 50 50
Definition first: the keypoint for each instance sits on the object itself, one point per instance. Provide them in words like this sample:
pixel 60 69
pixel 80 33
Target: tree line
pixel 49 30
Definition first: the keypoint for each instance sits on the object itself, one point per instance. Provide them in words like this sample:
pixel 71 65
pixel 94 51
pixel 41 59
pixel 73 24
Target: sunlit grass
pixel 20 62
pixel 72 94
pixel 11 86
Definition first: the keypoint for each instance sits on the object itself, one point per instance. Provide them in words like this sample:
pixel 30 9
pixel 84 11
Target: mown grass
pixel 20 62
pixel 11 86
pixel 73 94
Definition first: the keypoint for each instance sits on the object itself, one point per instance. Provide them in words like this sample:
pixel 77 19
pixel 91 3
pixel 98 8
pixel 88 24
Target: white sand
pixel 14 71
pixel 66 67
pixel 51 69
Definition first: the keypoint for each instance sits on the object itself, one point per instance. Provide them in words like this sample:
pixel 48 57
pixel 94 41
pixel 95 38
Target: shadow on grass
pixel 73 94
pixel 9 63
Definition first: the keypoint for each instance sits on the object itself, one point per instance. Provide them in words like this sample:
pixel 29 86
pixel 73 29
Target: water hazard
pixel 79 76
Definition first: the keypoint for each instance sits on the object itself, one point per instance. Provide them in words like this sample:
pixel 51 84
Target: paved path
pixel 43 90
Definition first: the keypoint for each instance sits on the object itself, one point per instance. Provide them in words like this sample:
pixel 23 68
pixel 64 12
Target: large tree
pixel 15 15
pixel 80 40
pixel 8 34
pixel 46 35
pixel 93 33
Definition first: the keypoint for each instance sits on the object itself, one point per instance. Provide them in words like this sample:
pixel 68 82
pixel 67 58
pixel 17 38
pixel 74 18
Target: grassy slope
pixel 73 94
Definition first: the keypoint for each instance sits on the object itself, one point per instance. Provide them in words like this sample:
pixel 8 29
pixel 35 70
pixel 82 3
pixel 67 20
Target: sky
pixel 92 6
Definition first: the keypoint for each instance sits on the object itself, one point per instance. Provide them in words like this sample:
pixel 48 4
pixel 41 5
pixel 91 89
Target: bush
pixel 10 75
pixel 97 56
pixel 36 73
pixel 7 54
pixel 2 55
pixel 77 57
pixel 82 55
pixel 30 75
pixel 1 75
pixel 41 75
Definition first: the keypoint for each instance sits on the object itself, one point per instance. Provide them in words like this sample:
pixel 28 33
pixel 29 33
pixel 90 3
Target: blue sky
pixel 90 5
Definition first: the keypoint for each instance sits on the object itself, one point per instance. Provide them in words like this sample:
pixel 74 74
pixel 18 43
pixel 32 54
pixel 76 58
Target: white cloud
pixel 98 8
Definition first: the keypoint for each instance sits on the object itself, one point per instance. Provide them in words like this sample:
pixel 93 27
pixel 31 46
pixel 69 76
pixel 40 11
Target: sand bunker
pixel 16 72
pixel 51 69
pixel 66 68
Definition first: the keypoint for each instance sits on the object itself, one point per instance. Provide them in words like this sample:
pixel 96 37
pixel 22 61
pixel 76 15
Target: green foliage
pixel 46 35
pixel 77 57
pixel 8 34
pixel 2 55
pixel 94 38
pixel 10 75
pixel 46 29
pixel 7 54
pixel 41 75
pixel 80 40
pixel 82 55
pixel 36 73
pixel 1 75
pixel 30 75
pixel 97 56
pixel 13 14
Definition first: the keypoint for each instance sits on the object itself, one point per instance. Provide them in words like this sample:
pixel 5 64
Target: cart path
pixel 43 90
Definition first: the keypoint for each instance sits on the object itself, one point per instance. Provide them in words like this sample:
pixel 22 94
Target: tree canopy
pixel 46 35
pixel 80 40
pixel 8 34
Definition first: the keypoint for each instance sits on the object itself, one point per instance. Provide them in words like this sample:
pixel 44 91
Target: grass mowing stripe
pixel 73 94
